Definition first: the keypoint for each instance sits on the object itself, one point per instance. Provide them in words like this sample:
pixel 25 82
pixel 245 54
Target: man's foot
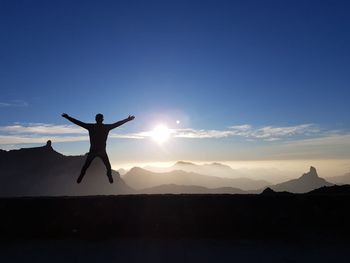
pixel 110 179
pixel 79 179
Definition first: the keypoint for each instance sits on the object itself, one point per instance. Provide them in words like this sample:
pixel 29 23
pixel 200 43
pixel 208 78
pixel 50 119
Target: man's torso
pixel 98 137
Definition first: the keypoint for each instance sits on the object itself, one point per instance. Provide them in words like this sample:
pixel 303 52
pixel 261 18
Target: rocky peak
pixel 312 174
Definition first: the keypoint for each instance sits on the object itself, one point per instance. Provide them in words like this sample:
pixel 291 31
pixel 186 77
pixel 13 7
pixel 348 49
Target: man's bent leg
pixel 105 160
pixel 86 165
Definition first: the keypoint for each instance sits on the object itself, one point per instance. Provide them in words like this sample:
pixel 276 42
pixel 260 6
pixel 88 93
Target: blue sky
pixel 278 71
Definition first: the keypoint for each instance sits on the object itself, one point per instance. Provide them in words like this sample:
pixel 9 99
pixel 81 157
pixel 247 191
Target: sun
pixel 160 133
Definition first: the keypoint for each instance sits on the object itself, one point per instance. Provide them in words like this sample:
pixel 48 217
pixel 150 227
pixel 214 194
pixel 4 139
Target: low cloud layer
pixel 41 128
pixel 303 134
pixel 268 133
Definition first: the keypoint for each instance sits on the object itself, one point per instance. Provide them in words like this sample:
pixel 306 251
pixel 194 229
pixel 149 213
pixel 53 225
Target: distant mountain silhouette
pixel 212 169
pixel 189 189
pixel 342 179
pixel 333 190
pixel 184 163
pixel 122 171
pixel 43 171
pixel 269 191
pixel 307 182
pixel 140 178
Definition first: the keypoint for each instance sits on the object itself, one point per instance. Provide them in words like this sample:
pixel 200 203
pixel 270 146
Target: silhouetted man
pixel 98 133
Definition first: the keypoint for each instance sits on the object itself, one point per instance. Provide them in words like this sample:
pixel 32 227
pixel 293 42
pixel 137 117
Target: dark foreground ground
pixel 173 228
pixel 174 250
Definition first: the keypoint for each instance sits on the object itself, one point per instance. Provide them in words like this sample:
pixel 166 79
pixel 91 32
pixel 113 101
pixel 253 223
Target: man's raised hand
pixel 131 117
pixel 64 115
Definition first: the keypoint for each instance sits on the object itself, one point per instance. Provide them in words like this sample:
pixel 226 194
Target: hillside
pixel 43 171
pixel 341 179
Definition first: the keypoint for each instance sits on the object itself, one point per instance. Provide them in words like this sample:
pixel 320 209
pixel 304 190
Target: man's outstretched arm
pixel 75 121
pixel 119 123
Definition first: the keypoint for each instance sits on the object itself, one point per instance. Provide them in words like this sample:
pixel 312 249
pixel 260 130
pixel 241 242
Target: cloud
pixel 40 133
pixel 41 128
pixel 202 134
pixel 243 127
pixel 126 136
pixel 277 132
pixel 267 133
pixel 13 103
pixel 303 134
pixel 332 140
pixel 9 139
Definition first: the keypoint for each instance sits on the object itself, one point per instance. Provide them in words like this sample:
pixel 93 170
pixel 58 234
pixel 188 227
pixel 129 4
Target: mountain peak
pixel 268 191
pixel 183 163
pixel 307 182
pixel 312 173
pixel 217 164
pixel 312 169
pixel 136 169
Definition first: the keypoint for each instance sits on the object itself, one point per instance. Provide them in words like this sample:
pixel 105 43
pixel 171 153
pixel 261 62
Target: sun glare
pixel 160 133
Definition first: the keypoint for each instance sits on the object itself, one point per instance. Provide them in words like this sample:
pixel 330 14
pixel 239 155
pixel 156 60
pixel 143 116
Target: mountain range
pixel 212 169
pixel 140 178
pixel 43 171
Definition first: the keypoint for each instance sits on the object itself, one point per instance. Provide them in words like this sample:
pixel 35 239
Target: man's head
pixel 99 118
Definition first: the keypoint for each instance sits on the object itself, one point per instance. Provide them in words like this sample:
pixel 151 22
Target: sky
pixel 230 80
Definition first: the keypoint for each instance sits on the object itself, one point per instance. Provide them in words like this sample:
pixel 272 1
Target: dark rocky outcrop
pixel 43 171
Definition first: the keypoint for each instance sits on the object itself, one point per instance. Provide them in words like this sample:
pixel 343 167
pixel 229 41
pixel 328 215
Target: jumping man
pixel 98 133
